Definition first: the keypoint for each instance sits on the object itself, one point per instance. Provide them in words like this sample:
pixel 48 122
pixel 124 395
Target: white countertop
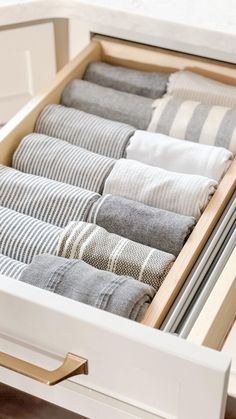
pixel 203 27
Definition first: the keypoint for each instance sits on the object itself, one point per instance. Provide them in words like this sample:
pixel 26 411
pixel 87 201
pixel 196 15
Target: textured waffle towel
pixel 77 280
pixel 11 267
pixel 178 155
pixel 188 85
pixel 194 121
pixel 110 252
pixel 143 83
pixel 108 103
pixel 22 237
pixel 163 230
pixel 159 188
pixel 91 132
pixel 47 200
pixel 55 159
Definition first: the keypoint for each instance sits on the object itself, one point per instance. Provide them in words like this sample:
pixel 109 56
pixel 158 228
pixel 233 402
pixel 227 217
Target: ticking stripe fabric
pixel 55 159
pixel 22 237
pixel 11 267
pixel 77 280
pixel 47 200
pixel 143 83
pixel 194 121
pixel 171 191
pixel 108 103
pixel 178 155
pixel 91 132
pixel 110 252
pixel 192 86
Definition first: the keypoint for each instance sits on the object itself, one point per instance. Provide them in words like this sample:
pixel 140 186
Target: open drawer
pixel 134 371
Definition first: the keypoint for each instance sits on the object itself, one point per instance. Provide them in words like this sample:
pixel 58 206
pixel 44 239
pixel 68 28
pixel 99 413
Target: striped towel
pixel 55 159
pixel 11 267
pixel 143 83
pixel 47 200
pixel 108 103
pixel 110 252
pixel 177 192
pixel 192 86
pixel 99 135
pixel 22 237
pixel 194 121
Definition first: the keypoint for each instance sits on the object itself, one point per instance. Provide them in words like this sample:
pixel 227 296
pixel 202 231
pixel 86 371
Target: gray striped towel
pixel 11 267
pixel 55 159
pixel 177 192
pixel 110 252
pixel 47 200
pixel 22 237
pixel 108 103
pixel 99 135
pixel 163 230
pixel 77 280
pixel 143 83
pixel 194 121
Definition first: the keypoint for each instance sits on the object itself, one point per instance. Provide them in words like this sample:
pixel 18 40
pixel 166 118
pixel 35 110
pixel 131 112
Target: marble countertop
pixel 202 27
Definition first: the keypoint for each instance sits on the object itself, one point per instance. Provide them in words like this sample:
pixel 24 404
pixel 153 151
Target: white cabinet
pixel 27 64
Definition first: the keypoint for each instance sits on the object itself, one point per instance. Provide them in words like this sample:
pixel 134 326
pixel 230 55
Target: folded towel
pixel 77 280
pixel 47 200
pixel 55 159
pixel 163 230
pixel 108 103
pixel 11 267
pixel 110 252
pixel 179 155
pixel 194 121
pixel 22 237
pixel 177 192
pixel 91 132
pixel 192 86
pixel 143 83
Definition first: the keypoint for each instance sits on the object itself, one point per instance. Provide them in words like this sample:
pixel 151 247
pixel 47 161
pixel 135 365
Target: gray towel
pixel 91 132
pixel 143 83
pixel 77 280
pixel 22 237
pixel 110 252
pixel 45 199
pixel 56 159
pixel 11 267
pixel 163 230
pixel 108 103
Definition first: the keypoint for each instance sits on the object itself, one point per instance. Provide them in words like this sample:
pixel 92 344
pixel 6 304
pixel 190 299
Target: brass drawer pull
pixel 72 365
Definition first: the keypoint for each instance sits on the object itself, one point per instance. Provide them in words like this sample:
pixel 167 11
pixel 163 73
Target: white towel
pixel 178 155
pixel 184 194
pixel 188 85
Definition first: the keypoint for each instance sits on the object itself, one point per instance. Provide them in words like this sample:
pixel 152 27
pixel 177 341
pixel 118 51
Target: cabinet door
pixel 27 63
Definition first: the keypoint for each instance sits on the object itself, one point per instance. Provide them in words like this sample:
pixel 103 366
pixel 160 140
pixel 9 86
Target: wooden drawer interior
pixel 147 58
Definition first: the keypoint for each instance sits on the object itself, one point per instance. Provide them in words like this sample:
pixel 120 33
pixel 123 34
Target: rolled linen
pixel 143 83
pixel 22 237
pixel 159 188
pixel 99 135
pixel 55 159
pixel 194 121
pixel 77 280
pixel 48 200
pixel 163 230
pixel 192 86
pixel 108 103
pixel 178 155
pixel 11 267
pixel 110 252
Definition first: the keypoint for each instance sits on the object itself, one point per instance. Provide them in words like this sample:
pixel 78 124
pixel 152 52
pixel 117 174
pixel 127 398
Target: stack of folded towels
pixel 102 197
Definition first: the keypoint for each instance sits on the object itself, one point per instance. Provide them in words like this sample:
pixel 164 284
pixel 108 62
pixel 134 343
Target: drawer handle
pixel 72 365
